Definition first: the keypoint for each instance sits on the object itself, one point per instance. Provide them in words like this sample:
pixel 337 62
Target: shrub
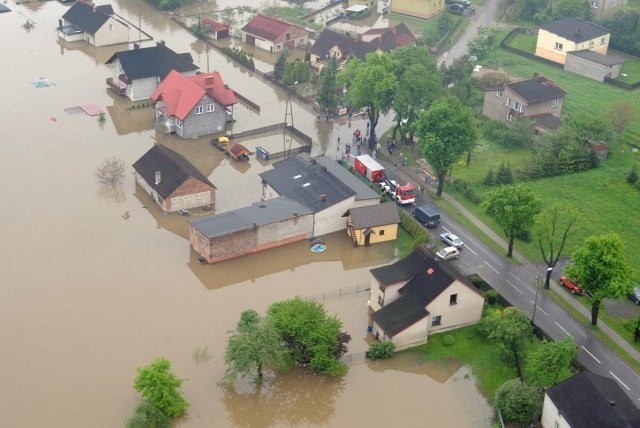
pixel 448 340
pixel 460 185
pixel 148 415
pixel 381 350
pixel 408 223
pixel 504 175
pixel 632 177
pixel 490 178
pixel 492 297
pixel 524 235
pixel 471 195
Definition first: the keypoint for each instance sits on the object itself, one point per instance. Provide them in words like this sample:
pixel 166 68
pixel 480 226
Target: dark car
pixel 456 8
pixel 572 285
pixel 634 296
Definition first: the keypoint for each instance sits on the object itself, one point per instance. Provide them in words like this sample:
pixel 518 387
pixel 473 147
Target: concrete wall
pixel 466 311
pixel 551 415
pixel 149 190
pixel 113 32
pixel 196 125
pixel 590 69
pixel 193 193
pixel 425 9
pixel 141 89
pixel 546 46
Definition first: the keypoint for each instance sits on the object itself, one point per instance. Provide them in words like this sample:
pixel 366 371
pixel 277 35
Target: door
pixel 251 40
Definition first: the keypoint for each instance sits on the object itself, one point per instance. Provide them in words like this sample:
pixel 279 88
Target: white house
pixel 96 25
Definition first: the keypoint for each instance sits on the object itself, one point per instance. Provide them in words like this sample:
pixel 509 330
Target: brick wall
pixel 192 193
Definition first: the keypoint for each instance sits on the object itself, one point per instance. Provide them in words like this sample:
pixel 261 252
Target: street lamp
pixel 535 302
pixel 548 278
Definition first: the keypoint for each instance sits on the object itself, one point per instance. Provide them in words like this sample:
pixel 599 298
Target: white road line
pixel 592 356
pixel 467 247
pixel 562 328
pixel 517 289
pixel 491 267
pixel 539 308
pixel 446 230
pixel 621 382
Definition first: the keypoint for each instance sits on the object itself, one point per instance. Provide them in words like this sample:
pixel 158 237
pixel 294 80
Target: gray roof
pixel 173 167
pixel 584 401
pixel 374 215
pixel 324 42
pixel 575 29
pixel 316 183
pixel 153 61
pixel 86 18
pixel 257 214
pixel 537 89
pixel 598 57
pixel 548 121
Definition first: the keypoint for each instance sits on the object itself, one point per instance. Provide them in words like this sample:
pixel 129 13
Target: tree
pixel 620 114
pixel 519 402
pixel 577 8
pixel 147 415
pixel 446 130
pixel 327 86
pixel 585 127
pixel 280 65
pixel 157 384
pixel 110 172
pixel 289 77
pixel 371 84
pixel 482 42
pixel 514 208
pixel 254 347
pixel 545 363
pixel 310 335
pixel 510 328
pixel 601 268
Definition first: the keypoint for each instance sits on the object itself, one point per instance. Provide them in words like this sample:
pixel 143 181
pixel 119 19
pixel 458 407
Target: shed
pixel 372 224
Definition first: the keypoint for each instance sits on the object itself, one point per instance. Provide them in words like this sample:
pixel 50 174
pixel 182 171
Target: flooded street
pixel 89 294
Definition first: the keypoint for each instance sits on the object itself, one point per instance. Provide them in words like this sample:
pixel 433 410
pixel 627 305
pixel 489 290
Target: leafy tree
pixel 493 78
pixel 551 229
pixel 254 347
pixel 601 268
pixel 620 114
pixel 482 42
pixel 311 336
pixel 327 97
pixel 157 384
pixel 624 23
pixel 510 328
pixel 446 130
pixel 371 84
pixel 519 402
pixel 301 70
pixel 577 8
pixel 281 63
pixel 460 69
pixel 586 127
pixel 535 11
pixel 545 363
pixel 147 415
pixel 514 208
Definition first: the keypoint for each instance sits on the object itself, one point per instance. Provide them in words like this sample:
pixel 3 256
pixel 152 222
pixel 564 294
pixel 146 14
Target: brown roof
pixel 374 215
pixel 267 27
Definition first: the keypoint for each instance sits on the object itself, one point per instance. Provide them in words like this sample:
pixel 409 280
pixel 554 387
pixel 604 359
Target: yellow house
pixel 417 296
pixel 425 9
pixel 373 224
pixel 557 38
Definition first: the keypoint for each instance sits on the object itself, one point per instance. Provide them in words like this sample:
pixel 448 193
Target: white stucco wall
pixel 112 32
pixel 551 415
pixel 467 310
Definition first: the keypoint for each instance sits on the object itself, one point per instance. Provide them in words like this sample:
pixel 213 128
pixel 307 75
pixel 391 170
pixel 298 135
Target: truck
pixel 402 194
pixel 369 168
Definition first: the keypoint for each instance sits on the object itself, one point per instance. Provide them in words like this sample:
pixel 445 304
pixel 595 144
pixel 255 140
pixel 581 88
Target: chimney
pixel 158 177
pixel 160 43
pixel 208 80
pixel 612 403
pixel 323 197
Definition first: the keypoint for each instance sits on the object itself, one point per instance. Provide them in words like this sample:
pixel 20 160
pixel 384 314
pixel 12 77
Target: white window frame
pixel 178 123
pixel 211 108
pixel 110 27
pixel 199 109
pixel 602 40
pixel 554 103
pixel 559 46
pixel 499 94
pixel 436 320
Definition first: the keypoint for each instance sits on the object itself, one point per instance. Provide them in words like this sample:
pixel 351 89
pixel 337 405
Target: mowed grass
pixel 524 42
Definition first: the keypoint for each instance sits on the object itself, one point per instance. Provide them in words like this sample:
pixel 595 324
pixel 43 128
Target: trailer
pixel 368 167
pixel 236 151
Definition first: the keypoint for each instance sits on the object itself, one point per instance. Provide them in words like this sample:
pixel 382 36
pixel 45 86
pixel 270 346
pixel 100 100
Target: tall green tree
pixel 327 96
pixel 576 8
pixel 601 268
pixel 446 130
pixel 552 228
pixel 545 363
pixel 280 65
pixel 519 402
pixel 311 336
pixel 514 208
pixel 510 328
pixel 254 346
pixel 157 384
pixel 371 84
pixel 289 77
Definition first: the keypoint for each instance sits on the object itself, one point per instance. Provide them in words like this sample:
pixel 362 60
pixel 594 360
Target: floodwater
pixel 96 282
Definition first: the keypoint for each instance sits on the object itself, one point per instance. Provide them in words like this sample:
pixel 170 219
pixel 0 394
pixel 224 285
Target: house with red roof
pixel 272 34
pixel 192 106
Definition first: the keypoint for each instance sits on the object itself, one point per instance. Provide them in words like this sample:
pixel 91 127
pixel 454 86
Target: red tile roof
pixel 267 27
pixel 181 94
pixel 214 26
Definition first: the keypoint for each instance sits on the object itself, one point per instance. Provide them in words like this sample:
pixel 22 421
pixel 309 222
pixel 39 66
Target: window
pixel 602 40
pixel 178 123
pixel 453 299
pixel 554 103
pixel 591 43
pixel 518 107
pixel 381 232
pixel 210 107
pixel 437 320
pixel 594 4
pixel 509 103
pixel 381 300
pixel 559 46
pixel 110 27
pixel 199 109
pixel 499 94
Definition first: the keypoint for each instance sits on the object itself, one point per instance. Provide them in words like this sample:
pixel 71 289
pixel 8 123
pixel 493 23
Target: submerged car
pixel 451 240
pixel 448 253
pixel 572 285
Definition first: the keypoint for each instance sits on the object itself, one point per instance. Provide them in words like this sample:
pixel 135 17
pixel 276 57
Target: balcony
pixel 119 89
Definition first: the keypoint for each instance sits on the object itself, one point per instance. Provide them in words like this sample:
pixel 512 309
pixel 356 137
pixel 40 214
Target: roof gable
pixel 87 17
pixel 536 90
pixel 174 170
pixel 268 27
pixel 575 29
pixel 153 61
pixel 325 41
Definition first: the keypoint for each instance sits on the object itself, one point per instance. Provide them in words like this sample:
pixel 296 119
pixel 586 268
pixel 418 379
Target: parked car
pixel 634 296
pixel 448 253
pixel 572 285
pixel 456 8
pixel 451 240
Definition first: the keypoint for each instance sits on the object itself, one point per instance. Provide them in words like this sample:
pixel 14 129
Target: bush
pixel 471 195
pixel 148 415
pixel 490 178
pixel 448 340
pixel 381 350
pixel 413 228
pixel 504 175
pixel 492 297
pixel 632 177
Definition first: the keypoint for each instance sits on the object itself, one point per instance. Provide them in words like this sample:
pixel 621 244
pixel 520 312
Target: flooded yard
pixel 90 294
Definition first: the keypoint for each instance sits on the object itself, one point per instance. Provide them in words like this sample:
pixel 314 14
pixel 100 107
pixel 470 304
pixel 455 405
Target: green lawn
pixel 631 67
pixel 524 42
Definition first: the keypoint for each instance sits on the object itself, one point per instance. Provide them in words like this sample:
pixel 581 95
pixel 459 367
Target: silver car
pixel 451 240
pixel 448 253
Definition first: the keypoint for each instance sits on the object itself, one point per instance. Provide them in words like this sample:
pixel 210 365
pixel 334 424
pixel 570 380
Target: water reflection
pixel 413 362
pixel 293 399
pixel 127 119
pixel 100 54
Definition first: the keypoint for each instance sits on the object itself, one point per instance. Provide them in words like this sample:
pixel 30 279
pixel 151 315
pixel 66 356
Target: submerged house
pixel 273 34
pixel 418 296
pixel 373 224
pixel 172 181
pixel 137 72
pixel 96 25
pixel 192 106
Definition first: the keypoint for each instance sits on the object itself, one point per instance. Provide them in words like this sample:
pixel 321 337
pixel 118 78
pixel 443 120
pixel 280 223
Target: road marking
pixel 491 267
pixel 621 382
pixel 467 247
pixel 446 230
pixel 539 308
pixel 517 289
pixel 562 328
pixel 592 356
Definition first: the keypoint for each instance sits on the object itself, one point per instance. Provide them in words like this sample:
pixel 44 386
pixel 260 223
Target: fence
pixel 262 130
pixel 246 101
pixel 354 290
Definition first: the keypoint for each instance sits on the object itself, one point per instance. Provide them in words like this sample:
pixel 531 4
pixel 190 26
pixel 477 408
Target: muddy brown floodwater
pixel 89 294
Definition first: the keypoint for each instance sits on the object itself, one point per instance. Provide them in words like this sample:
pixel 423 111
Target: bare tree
pixel 111 171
